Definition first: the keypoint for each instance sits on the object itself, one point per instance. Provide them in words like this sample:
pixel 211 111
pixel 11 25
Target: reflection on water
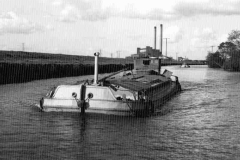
pixel 203 122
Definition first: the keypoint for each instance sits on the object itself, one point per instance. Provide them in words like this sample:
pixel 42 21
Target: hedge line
pixel 19 73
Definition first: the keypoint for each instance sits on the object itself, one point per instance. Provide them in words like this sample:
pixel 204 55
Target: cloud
pixel 10 23
pixel 222 38
pixel 69 14
pixel 203 37
pixel 97 10
pixel 206 34
pixel 84 10
pixel 211 7
pixel 57 3
pixel 174 33
pixel 186 9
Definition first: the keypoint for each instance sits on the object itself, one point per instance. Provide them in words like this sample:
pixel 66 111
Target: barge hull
pixel 96 106
pixel 78 110
pixel 123 108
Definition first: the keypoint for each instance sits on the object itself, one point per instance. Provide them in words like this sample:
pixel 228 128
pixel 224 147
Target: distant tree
pixel 226 47
pixel 228 54
pixel 215 60
pixel 234 37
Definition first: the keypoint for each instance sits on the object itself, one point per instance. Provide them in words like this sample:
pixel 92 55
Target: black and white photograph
pixel 119 80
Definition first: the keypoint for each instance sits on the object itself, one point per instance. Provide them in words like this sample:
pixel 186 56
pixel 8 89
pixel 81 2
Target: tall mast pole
pixel 212 48
pixel 23 48
pixel 166 44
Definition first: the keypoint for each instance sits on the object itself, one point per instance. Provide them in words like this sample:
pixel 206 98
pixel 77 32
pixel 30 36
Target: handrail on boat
pixel 104 78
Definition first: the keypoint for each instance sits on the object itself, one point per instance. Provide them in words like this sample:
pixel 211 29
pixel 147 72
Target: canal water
pixel 202 122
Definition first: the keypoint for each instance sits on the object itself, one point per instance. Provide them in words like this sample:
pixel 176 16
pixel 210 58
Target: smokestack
pixel 155 37
pixel 96 68
pixel 161 38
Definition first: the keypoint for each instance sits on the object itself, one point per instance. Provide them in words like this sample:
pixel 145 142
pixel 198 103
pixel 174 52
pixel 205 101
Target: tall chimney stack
pixel 155 37
pixel 161 38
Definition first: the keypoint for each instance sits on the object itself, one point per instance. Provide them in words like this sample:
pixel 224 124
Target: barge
pixel 139 91
pixel 185 65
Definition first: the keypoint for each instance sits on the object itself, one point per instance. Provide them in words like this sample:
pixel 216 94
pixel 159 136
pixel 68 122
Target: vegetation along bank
pixel 18 67
pixel 228 54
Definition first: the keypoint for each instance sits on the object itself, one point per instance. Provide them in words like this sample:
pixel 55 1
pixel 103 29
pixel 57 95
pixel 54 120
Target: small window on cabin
pixel 146 62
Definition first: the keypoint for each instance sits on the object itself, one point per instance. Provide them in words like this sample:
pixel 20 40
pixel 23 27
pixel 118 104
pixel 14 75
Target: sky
pixel 82 27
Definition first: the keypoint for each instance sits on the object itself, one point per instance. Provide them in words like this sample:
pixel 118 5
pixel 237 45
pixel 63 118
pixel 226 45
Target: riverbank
pixel 19 67
pixel 228 60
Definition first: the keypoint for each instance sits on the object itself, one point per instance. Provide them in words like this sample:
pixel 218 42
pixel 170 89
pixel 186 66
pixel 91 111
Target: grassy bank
pixel 18 67
pixel 46 58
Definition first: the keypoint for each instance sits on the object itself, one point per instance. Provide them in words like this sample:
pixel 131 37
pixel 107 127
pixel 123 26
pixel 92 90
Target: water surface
pixel 203 122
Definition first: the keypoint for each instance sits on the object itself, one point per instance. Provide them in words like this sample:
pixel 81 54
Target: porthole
pixel 90 95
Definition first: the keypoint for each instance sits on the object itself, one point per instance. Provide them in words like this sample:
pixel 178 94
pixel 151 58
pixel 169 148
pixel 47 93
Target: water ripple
pixel 203 122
